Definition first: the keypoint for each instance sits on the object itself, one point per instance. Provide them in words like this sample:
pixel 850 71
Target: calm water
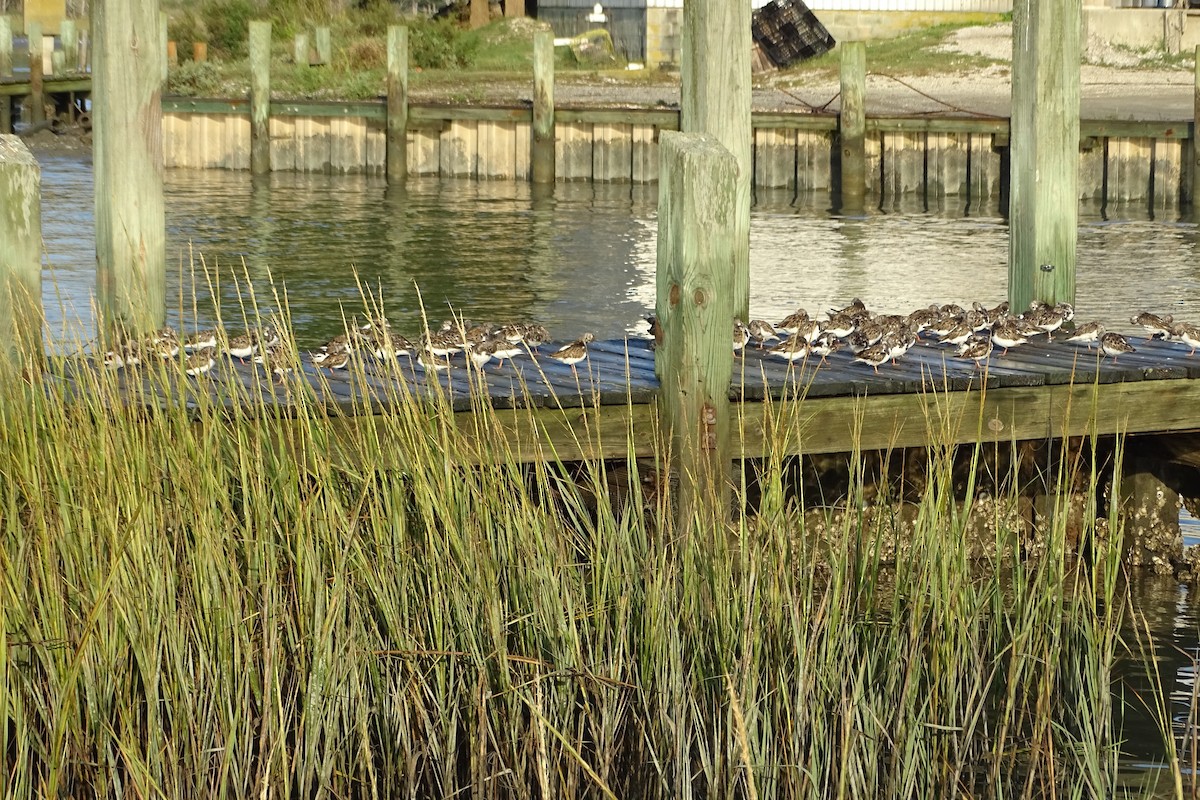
pixel 582 259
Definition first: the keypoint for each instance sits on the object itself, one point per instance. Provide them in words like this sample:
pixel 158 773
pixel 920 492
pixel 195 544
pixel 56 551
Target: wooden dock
pixel 1038 391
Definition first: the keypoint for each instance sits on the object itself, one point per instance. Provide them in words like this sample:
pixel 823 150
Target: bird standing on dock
pixel 762 332
pixel 1006 334
pixel 824 345
pixel 574 352
pixel 1114 344
pixel 1088 333
pixel 199 362
pixel 793 348
pixel 201 340
pixel 874 355
pixel 978 349
pixel 792 321
pixel 1188 334
pixel 741 335
pixel 1157 327
pixel 242 346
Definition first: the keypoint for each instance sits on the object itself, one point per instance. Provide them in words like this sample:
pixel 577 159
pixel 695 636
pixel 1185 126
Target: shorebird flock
pixel 433 351
pixel 976 333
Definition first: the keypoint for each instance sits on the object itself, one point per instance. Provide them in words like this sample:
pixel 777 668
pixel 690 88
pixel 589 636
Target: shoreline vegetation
pixel 204 601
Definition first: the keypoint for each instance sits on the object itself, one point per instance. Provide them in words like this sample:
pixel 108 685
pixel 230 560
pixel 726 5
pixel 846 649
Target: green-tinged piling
pixel 6 46
pixel 128 159
pixel 697 225
pixel 300 56
pixel 260 97
pixel 543 107
pixel 1044 172
pixel 852 126
pixel 37 70
pixel 68 32
pixel 21 256
pixel 397 104
pixel 716 99
pixel 324 39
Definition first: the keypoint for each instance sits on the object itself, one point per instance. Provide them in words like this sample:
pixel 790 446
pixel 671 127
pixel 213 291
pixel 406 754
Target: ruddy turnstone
pixel 978 348
pixel 793 348
pixel 339 359
pixel 1157 327
pixel 958 334
pixel 1006 334
pixel 1188 334
pixel 792 321
pixel 201 340
pixel 762 332
pixel 242 346
pixel 576 351
pixel 480 353
pixel 1088 333
pixel 874 355
pixel 741 335
pixel 840 325
pixel 1047 319
pixel 1114 344
pixel 431 361
pixel 824 345
pixel 199 362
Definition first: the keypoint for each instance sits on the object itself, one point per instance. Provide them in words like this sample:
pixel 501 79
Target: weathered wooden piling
pixel 300 49
pixel 480 13
pixel 172 54
pixel 1150 510
pixel 324 46
pixel 514 8
pixel 543 107
pixel 1044 142
pixel 163 38
pixel 69 34
pixel 128 158
pixel 6 44
pixel 715 99
pixel 697 225
pixel 397 104
pixel 852 126
pixel 21 255
pixel 260 97
pixel 58 62
pixel 199 52
pixel 37 97
pixel 1195 185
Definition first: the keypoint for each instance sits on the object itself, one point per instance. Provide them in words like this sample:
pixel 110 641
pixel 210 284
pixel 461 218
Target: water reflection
pixel 578 258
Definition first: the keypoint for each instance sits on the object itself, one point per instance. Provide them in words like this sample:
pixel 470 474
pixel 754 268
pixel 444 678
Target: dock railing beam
pixel 715 99
pixel 127 156
pixel 20 257
pixel 697 222
pixel 260 97
pixel 397 104
pixel 852 126
pixel 1044 172
pixel 543 107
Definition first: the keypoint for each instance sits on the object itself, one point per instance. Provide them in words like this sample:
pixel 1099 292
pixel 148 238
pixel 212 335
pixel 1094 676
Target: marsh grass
pixel 207 600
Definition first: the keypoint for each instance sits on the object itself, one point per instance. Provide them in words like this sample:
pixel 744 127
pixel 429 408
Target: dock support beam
pixel 260 97
pixel 514 8
pixel 697 223
pixel 852 127
pixel 543 107
pixel 37 97
pixel 715 73
pixel 1044 197
pixel 21 256
pixel 128 163
pixel 397 104
pixel 480 13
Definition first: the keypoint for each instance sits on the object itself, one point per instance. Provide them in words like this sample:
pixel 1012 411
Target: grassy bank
pixel 199 603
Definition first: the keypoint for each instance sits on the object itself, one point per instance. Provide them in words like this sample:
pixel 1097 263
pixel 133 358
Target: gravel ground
pixel 1115 84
